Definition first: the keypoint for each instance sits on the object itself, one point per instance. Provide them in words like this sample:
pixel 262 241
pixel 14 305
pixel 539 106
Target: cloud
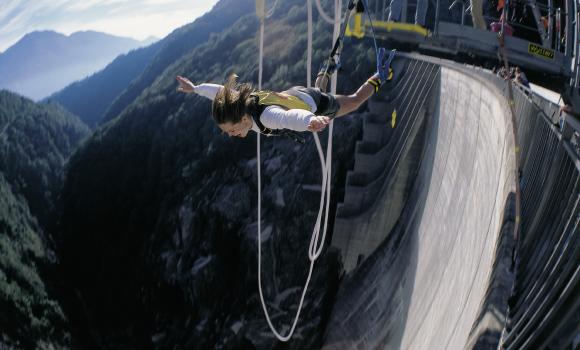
pixel 82 6
pixel 135 18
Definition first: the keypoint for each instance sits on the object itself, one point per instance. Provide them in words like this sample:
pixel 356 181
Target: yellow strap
pixel 358 30
pixel 396 26
pixel 374 83
pixel 287 101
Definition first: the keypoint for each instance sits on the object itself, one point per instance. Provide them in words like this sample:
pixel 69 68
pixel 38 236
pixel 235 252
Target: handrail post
pixel 550 22
pixel 437 17
pixel 570 34
pixel 576 51
pixel 455 3
pixel 559 28
pixel 383 13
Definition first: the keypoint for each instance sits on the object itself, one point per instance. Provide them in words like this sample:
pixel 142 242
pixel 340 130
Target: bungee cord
pixel 316 242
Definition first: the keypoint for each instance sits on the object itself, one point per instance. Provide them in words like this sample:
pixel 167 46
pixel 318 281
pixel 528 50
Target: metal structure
pixel 532 297
pixel 543 311
pixel 555 51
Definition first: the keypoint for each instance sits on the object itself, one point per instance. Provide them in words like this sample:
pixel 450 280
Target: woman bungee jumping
pixel 239 108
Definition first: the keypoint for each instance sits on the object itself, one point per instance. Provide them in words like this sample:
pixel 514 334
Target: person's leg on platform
pixel 421 12
pixel 477 15
pixel 395 11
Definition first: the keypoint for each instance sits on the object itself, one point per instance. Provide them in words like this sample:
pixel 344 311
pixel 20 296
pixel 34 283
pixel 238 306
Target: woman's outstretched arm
pixel 205 90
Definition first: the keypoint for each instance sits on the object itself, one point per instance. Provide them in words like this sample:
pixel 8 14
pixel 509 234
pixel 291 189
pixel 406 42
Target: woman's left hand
pixel 185 85
pixel 318 123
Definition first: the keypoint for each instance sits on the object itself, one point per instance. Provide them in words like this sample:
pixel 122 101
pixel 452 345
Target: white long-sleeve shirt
pixel 273 117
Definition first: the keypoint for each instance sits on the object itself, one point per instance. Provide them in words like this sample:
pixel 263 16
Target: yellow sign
pixel 540 51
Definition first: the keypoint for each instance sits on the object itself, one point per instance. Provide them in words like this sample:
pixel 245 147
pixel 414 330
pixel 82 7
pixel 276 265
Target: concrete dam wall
pixel 427 248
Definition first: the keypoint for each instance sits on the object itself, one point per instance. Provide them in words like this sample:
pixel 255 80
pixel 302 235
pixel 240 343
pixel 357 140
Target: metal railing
pixel 545 299
pixel 551 35
pixel 544 308
pixel 554 49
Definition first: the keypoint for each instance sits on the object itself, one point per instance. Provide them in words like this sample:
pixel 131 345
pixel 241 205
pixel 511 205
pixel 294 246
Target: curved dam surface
pixel 425 230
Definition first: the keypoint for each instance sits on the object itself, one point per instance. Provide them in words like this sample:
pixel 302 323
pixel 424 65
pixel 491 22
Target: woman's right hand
pixel 318 123
pixel 185 85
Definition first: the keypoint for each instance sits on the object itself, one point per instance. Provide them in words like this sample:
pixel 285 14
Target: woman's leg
pixel 349 103
pixel 326 71
pixel 384 74
pixel 321 82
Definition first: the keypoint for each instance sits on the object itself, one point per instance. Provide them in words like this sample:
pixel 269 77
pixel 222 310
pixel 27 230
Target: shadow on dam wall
pixel 440 275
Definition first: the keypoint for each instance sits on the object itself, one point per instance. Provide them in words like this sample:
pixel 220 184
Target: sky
pixel 137 19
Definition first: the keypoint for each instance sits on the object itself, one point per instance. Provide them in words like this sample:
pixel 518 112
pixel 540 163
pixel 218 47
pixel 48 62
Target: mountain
pixel 159 215
pixel 43 62
pixel 89 98
pixel 149 41
pixel 35 143
pixel 183 40
pixel 109 91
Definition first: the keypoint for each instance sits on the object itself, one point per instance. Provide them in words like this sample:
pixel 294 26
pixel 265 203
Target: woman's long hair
pixel 232 102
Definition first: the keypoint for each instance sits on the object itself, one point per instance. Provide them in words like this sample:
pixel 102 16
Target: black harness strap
pixel 257 111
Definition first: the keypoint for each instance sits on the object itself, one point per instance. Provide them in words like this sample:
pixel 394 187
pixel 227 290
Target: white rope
pixel 335 35
pixel 271 11
pixel 260 67
pixel 314 251
pixel 316 245
pixel 309 49
pixel 325 16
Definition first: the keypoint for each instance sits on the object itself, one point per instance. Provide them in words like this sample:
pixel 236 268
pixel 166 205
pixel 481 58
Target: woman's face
pixel 240 129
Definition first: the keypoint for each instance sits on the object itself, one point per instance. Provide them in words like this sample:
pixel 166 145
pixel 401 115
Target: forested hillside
pixel 172 204
pixel 143 234
pixel 35 142
pixel 30 318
